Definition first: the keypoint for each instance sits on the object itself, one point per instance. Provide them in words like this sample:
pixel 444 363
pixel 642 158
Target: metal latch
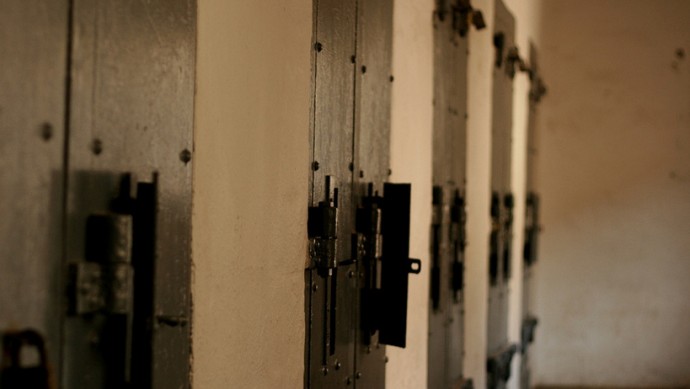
pixel 119 240
pixel 322 227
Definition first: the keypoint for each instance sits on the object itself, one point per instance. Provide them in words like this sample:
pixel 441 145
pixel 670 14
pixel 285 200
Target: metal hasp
pixel 118 265
pixel 396 264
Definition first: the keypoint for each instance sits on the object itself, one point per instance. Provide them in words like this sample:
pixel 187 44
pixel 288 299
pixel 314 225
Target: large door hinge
pixel 118 263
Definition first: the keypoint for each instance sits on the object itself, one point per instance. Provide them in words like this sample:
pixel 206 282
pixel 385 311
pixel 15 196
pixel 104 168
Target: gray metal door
pixel 452 21
pixel 33 48
pixel 499 351
pixel 99 116
pixel 532 226
pixel 356 281
pixel 331 281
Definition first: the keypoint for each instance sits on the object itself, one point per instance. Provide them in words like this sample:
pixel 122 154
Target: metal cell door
pixel 33 48
pixel 532 226
pixel 356 276
pixel 499 351
pixel 452 22
pixel 107 88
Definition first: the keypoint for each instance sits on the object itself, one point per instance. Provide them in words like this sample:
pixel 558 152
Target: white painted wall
pixel 411 143
pixel 613 295
pixel 250 193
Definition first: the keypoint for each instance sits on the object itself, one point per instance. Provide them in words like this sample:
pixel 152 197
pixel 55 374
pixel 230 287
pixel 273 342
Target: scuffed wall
pixel 250 193
pixel 612 281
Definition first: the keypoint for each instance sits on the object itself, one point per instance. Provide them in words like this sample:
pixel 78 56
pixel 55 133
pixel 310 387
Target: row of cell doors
pixel 357 273
pixel 96 115
pixel 96 109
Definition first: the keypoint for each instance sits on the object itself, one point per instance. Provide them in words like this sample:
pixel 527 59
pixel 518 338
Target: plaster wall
pixel 411 144
pixel 612 281
pixel 250 193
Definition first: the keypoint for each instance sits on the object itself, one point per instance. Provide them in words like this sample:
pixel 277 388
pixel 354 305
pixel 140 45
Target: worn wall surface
pixel 250 193
pixel 411 125
pixel 612 282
